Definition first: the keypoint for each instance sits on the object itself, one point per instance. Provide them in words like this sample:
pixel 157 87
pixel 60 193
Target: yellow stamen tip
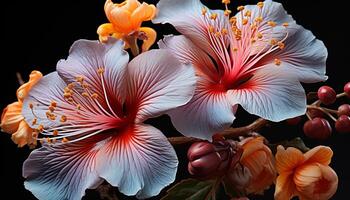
pixel 271 23
pixel 204 11
pixel 63 118
pixel 64 140
pixel 100 70
pixel 213 16
pixel 285 24
pixel 225 1
pixel 245 21
pixel 248 13
pixel 227 12
pixel 260 4
pixel 240 8
pixel 277 61
pixel 55 133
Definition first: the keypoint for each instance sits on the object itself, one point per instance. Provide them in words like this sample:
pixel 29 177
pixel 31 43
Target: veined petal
pixel 303 55
pixel 285 187
pixel 271 93
pixel 186 16
pixel 211 110
pixel 23 135
pixel 319 154
pixel 24 89
pixel 142 13
pixel 157 82
pixel 288 159
pixel 186 51
pixel 139 161
pixel 62 171
pixel 87 58
pixel 11 117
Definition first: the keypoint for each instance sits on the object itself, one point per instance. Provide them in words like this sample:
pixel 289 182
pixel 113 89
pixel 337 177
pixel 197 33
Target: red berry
pixel 317 128
pixel 315 113
pixel 293 121
pixel 342 125
pixel 344 110
pixel 347 89
pixel 326 95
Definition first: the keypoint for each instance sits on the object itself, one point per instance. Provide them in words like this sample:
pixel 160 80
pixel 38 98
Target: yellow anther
pixel 213 16
pixel 100 70
pixel 53 104
pixel 51 108
pixel 258 19
pixel 235 49
pixel 224 31
pixel 233 20
pixel 273 42
pixel 40 128
pixel 227 12
pixel 211 29
pixel 248 13
pixel 240 8
pixel 48 140
pixel 67 95
pixel 252 40
pixel 55 133
pixel 34 121
pixel 285 24
pixel 63 118
pixel 70 99
pixel 271 23
pixel 70 86
pixel 53 117
pixel 79 79
pixel 245 21
pixel 31 106
pixel 94 96
pixel 217 34
pixel 277 61
pixel 64 140
pixel 253 26
pixel 85 94
pixel 85 85
pixel 281 45
pixel 259 35
pixel 204 11
pixel 78 106
pixel 260 4
pixel 226 1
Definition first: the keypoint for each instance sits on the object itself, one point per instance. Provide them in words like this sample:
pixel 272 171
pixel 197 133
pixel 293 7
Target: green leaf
pixel 192 189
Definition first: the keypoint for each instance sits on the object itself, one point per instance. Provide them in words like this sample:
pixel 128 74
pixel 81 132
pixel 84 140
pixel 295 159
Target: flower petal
pixel 11 117
pixel 151 36
pixel 272 93
pixel 139 161
pixel 288 159
pixel 303 55
pixel 186 16
pixel 285 187
pixel 158 82
pixel 186 51
pixel 212 111
pixel 23 135
pixel 87 57
pixel 23 91
pixel 62 171
pixel 319 154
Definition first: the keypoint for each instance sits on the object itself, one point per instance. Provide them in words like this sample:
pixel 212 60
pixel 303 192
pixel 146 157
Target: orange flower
pixel 12 121
pixel 307 176
pixel 125 23
pixel 258 159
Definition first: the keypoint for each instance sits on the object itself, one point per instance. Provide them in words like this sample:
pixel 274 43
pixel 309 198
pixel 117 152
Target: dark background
pixel 36 34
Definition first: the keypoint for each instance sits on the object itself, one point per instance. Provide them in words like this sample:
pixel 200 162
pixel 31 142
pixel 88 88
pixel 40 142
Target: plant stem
pixel 228 133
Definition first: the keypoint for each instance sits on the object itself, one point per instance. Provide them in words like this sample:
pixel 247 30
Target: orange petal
pixel 104 31
pixel 251 145
pixel 316 181
pixel 11 117
pixel 131 5
pixel 121 20
pixel 151 36
pixel 285 188
pixel 287 160
pixel 23 135
pixel 142 13
pixel 319 154
pixel 24 89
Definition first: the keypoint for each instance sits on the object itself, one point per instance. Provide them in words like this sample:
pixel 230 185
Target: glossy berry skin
pixel 211 159
pixel 317 128
pixel 344 110
pixel 315 113
pixel 327 95
pixel 347 89
pixel 342 125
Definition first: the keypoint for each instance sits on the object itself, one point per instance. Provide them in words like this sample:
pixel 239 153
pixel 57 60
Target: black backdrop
pixel 36 34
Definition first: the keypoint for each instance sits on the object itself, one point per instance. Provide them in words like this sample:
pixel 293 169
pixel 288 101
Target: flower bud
pixel 212 159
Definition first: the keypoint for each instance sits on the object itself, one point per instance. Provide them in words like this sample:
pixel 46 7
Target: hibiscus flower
pixel 89 116
pixel 256 59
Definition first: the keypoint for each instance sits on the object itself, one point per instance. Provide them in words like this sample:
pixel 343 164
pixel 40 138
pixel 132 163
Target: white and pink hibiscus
pixel 256 59
pixel 89 115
